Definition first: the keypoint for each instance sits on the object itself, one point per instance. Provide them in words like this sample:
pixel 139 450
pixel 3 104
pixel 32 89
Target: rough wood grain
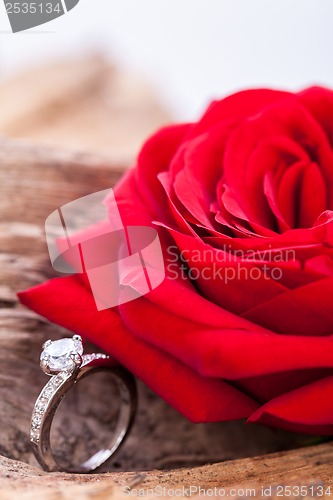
pixel 34 181
pixel 311 466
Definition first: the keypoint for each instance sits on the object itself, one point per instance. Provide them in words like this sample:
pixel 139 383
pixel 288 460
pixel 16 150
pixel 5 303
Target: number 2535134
pixel 33 8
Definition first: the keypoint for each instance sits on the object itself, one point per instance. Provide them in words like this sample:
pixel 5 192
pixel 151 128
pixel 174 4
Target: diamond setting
pixel 61 354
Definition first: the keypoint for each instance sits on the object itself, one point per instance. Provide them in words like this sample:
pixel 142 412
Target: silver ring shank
pixel 52 395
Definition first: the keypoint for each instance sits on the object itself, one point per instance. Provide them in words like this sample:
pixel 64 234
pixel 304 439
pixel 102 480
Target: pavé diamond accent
pixel 88 358
pixel 34 435
pixel 44 401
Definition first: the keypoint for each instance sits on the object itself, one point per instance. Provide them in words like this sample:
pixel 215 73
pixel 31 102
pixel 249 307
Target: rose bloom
pixel 241 326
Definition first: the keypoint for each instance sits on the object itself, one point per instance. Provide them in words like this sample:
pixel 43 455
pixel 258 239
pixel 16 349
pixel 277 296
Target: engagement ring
pixel 63 360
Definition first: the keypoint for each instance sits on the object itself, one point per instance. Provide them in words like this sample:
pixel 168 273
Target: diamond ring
pixel 63 360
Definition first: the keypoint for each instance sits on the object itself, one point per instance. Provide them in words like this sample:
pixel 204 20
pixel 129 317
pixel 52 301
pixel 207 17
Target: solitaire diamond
pixel 58 355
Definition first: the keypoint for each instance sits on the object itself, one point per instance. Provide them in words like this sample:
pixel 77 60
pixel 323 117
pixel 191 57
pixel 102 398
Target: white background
pixel 192 50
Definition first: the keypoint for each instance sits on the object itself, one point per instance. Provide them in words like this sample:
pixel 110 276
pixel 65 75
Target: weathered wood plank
pixel 311 466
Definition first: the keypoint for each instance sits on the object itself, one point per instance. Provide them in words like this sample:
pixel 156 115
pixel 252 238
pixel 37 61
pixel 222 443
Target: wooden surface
pixel 34 181
pixel 260 477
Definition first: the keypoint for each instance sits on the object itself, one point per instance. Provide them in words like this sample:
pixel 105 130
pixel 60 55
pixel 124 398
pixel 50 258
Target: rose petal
pixel 308 409
pixel 232 353
pixel 270 193
pixel 154 158
pixel 234 284
pixel 313 196
pixel 237 107
pixel 267 387
pixel 319 101
pixel 195 183
pixel 288 193
pixel 307 310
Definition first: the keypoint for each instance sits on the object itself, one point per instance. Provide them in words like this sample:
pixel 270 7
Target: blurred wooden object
pixel 34 181
pixel 84 104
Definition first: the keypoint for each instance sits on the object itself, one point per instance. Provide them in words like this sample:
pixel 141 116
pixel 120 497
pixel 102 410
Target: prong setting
pixel 76 358
pixel 45 366
pixel 62 354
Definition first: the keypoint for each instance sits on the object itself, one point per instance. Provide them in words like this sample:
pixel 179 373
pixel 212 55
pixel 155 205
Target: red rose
pixel 242 324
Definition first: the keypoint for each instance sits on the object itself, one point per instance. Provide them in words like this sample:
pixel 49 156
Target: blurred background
pixel 139 64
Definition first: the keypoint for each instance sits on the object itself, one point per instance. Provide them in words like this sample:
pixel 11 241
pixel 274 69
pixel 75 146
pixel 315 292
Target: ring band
pixel 65 362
